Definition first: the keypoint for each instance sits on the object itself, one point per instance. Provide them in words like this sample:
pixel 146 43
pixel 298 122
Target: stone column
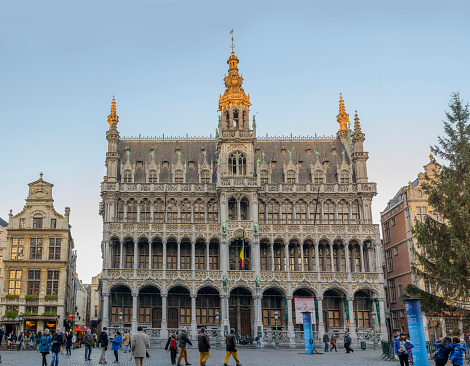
pixel 346 257
pixel 239 217
pixel 207 255
pixel 332 258
pixel 193 256
pixel 321 325
pixel 193 317
pixel 164 331
pixel 134 312
pixel 271 247
pixel 138 211
pixel 352 324
pixel 258 312
pixel 317 258
pixel 224 311
pixel 150 255
pixel 290 323
pixel 121 257
pixel 302 257
pixel 383 326
pixel 178 259
pixel 361 247
pixel 105 305
pixel 136 253
pixel 164 254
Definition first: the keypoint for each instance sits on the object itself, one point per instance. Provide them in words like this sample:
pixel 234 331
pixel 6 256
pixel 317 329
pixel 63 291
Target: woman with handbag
pixel 402 346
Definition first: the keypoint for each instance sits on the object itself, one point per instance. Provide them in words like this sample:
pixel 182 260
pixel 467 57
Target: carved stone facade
pixel 38 265
pixel 226 231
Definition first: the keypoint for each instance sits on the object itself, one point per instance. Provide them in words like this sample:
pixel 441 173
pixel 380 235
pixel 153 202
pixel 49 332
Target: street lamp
pixel 121 320
pixel 276 341
pixel 217 338
pixel 372 317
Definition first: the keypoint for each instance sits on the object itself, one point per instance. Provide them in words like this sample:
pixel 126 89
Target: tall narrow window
pixel 329 212
pixel 185 255
pixel 132 210
pixel 157 253
pixel 205 176
pixel 264 177
pixel 232 209
pixel 301 211
pixel 212 211
pixel 143 255
pixel 179 176
pixel 17 248
pixel 214 255
pixel 127 178
pixel 120 210
pixel 145 214
pixel 153 176
pixel 287 210
pixel 199 209
pixel 343 212
pixel 35 249
pixel 158 210
pixel 34 281
pixel 171 255
pixel 185 211
pixel 273 211
pixel 54 248
pixel 14 284
pixel 53 223
pixel 37 223
pixel 52 287
pixel 262 211
pixel 244 209
pixel 172 211
pixel 237 163
pixel 22 224
pixel 200 252
pixel 355 216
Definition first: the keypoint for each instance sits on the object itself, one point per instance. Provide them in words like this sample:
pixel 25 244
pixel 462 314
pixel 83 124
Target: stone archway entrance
pixel 240 306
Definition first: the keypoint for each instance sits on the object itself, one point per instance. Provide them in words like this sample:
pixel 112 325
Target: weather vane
pixel 233 46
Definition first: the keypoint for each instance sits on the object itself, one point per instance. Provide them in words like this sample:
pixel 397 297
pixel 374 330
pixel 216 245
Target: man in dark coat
pixel 231 347
pixel 57 340
pixel 347 343
pixel 204 346
pixel 103 341
pixel 182 340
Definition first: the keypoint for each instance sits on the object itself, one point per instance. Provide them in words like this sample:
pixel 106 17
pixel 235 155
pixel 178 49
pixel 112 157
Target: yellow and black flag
pixel 242 252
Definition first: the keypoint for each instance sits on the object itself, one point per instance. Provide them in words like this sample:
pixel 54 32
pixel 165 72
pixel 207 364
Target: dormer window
pixel 237 164
pixel 318 177
pixel 205 176
pixel 264 177
pixel 291 176
pixel 179 178
pixel 153 176
pixel 127 177
pixel 344 177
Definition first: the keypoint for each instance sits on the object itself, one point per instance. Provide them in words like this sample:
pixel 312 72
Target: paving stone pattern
pixel 248 357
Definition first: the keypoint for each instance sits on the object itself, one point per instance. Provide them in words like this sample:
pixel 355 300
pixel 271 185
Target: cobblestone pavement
pixel 248 357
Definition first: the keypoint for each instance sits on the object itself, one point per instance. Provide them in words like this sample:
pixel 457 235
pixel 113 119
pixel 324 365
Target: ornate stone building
pixel 175 212
pixel 38 265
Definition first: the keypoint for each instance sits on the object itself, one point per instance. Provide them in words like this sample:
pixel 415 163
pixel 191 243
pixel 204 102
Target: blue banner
pixel 308 335
pixel 416 329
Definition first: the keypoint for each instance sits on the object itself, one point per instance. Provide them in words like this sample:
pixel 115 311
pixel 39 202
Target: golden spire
pixel 113 119
pixel 342 117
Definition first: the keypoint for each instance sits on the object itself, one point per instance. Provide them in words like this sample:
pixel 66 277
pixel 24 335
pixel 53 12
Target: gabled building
pixel 38 265
pixel 227 230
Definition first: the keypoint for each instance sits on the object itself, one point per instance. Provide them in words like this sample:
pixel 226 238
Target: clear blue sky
pixel 61 62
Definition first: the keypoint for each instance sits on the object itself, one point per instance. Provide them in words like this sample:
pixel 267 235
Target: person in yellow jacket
pixel 126 339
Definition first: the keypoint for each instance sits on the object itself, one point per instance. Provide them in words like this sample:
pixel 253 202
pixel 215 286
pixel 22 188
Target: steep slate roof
pixel 191 150
pixel 3 222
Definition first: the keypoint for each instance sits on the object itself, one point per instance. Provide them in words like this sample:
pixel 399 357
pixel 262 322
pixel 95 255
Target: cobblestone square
pixel 248 357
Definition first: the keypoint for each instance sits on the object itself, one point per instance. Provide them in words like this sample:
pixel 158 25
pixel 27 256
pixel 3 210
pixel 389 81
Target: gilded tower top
pixel 113 118
pixel 342 117
pixel 234 94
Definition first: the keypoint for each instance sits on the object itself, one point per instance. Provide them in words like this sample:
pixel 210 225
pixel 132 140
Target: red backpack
pixel 173 343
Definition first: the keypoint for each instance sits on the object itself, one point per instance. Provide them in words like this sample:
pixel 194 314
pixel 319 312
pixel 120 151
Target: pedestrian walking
pixel 45 346
pixel 103 341
pixel 238 337
pixel 326 339
pixel 88 341
pixel 458 353
pixel 2 333
pixel 182 341
pixel 231 348
pixel 204 347
pixel 32 341
pixel 139 344
pixel 115 345
pixel 402 347
pixel 347 343
pixel 444 348
pixel 38 340
pixel 68 346
pixel 258 341
pixel 126 340
pixel 19 342
pixel 333 343
pixel 57 342
pixel 171 346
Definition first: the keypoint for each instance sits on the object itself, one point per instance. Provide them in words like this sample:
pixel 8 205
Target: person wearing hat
pixel 204 346
pixel 231 347
pixel 402 346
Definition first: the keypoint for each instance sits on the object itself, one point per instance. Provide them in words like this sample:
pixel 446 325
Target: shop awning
pixel 82 328
pixel 39 317
pixel 9 321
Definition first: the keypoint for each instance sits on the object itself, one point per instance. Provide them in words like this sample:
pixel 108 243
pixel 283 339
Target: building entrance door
pixel 240 305
pixel 156 317
pixel 172 318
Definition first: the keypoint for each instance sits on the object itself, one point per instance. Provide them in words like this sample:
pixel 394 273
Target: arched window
pixel 264 177
pixel 333 309
pixel 235 261
pixel 291 177
pixel 172 211
pixel 279 255
pixel 158 210
pixel 205 176
pixel 324 255
pixel 132 210
pixel 120 210
pixel 127 177
pixel 171 254
pixel 227 119
pixel 318 177
pixel 212 211
pixel 295 259
pixel 145 213
pixel 362 308
pixel 419 194
pixel 143 254
pixel 273 301
pixel 329 212
pixel 179 177
pixel 235 118
pixel 344 177
pixel 273 211
pixel 287 210
pixel 355 214
pixel 185 211
pixel 214 254
pixel 116 253
pixel 343 211
pixel 309 256
pixel 339 256
pixel 232 209
pixel 200 254
pixel 153 176
pixel 301 211
pixel 265 255
pixel 237 163
pixel 121 302
pixel 355 257
pixel 244 209
pixel 185 254
pixel 199 211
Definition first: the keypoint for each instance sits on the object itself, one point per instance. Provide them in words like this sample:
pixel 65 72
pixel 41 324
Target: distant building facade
pixel 81 304
pixel 228 230
pixel 38 265
pixel 397 220
pixel 95 308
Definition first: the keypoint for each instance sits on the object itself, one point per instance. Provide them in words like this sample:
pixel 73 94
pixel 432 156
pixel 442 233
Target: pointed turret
pixel 359 157
pixel 357 125
pixel 342 117
pixel 112 135
pixel 113 118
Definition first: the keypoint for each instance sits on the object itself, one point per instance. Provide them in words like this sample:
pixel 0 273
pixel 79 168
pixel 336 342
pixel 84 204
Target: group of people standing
pixel 327 340
pixel 449 349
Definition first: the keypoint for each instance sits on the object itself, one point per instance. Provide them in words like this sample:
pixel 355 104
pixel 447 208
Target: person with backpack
pixel 402 346
pixel 171 346
pixel 57 342
pixel 182 341
pixel 444 348
pixel 258 341
pixel 103 341
pixel 231 348
pixel 458 353
pixel 38 340
pixel 45 346
pixel 116 344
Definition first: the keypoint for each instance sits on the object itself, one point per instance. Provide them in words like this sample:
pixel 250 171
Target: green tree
pixel 443 245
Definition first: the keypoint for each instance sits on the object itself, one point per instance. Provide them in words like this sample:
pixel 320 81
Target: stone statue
pixel 224 228
pixel 204 152
pixel 258 282
pixel 342 154
pixel 256 227
pixel 218 161
pixel 225 282
pixel 258 161
pixel 317 153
